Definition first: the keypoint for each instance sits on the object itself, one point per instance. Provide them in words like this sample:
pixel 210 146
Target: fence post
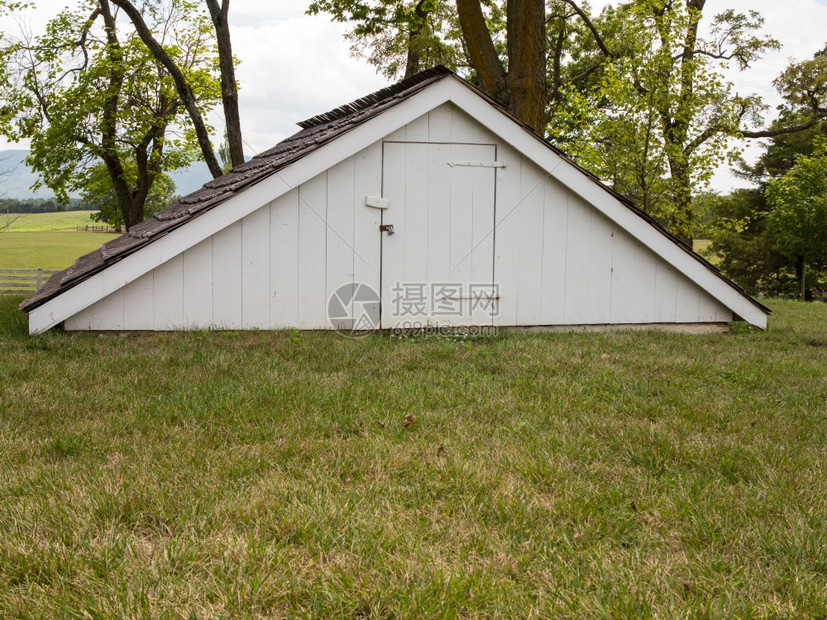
pixel 39 278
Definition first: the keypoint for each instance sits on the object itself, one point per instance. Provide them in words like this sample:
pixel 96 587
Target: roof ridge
pixel 376 97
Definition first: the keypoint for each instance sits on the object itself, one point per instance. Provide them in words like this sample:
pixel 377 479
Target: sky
pixel 294 66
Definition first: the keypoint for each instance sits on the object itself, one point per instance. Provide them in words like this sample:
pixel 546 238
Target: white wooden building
pixel 485 215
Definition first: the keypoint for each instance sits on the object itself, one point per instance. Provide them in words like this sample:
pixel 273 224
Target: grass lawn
pixel 701 245
pixel 270 474
pixel 47 250
pixel 45 222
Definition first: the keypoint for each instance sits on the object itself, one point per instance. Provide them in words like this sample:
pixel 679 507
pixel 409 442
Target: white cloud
pixel 293 68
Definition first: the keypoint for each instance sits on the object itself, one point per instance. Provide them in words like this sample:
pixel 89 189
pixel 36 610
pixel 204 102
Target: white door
pixel 438 263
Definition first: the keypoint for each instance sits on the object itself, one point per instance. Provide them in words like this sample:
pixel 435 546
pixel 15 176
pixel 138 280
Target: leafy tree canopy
pixel 89 91
pixel 636 94
pixel 798 212
pixel 661 118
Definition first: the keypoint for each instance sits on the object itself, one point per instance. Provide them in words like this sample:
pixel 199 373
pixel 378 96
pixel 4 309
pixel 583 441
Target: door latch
pixel 388 228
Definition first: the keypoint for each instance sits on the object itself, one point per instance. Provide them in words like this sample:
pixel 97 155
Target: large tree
pixel 798 214
pixel 89 91
pixel 636 94
pixel 518 53
pixel 519 80
pixel 662 117
pixel 744 243
pixel 503 44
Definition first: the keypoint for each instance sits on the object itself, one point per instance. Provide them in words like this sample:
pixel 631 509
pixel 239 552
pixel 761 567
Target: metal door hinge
pixel 478 164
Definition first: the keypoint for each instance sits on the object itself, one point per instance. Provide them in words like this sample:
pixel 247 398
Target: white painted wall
pixel 558 261
pixel 561 262
pixel 275 268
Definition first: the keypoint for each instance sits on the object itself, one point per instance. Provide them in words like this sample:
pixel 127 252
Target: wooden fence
pixel 101 229
pixel 21 281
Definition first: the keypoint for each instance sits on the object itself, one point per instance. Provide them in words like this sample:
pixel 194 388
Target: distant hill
pixel 20 178
pixel 16 177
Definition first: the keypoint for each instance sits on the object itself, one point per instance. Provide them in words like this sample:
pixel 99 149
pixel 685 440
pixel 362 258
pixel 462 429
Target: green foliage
pixel 798 213
pixel 223 153
pixel 99 195
pixel 782 151
pixel 399 37
pixel 744 242
pixel 660 119
pixel 36 205
pixel 87 91
pixel 804 84
pixel 744 247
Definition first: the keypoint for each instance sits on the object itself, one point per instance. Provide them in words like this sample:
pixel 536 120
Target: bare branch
pixel 590 25
pixel 780 131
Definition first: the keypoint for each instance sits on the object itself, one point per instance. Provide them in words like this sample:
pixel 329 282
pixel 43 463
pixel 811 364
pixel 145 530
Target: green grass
pixel 46 240
pixel 270 474
pixel 45 222
pixel 701 246
pixel 47 250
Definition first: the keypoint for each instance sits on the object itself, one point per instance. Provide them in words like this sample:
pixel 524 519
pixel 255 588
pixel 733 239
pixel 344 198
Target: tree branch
pixel 780 131
pixel 590 25
pixel 81 43
pixel 181 84
pixel 584 74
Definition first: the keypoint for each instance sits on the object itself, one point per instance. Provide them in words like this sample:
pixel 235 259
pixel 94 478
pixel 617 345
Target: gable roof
pixel 323 129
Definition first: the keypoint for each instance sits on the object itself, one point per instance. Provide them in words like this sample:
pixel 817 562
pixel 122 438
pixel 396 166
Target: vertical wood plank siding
pixel 557 260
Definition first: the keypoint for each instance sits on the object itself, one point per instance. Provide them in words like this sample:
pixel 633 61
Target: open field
pixel 701 245
pixel 44 222
pixel 270 474
pixel 47 250
pixel 46 240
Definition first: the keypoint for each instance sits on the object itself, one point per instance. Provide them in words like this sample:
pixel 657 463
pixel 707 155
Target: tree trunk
pixel 133 213
pixel 526 76
pixel 229 88
pixel 522 89
pixel 109 126
pixel 674 119
pixel 681 201
pixel 481 51
pixel 803 288
pixel 414 62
